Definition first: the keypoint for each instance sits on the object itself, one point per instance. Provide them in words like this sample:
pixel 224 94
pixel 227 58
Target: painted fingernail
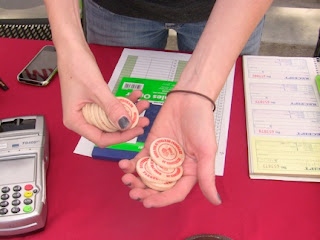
pixel 219 197
pixel 123 122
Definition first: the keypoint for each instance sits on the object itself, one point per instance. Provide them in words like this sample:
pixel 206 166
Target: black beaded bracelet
pixel 196 93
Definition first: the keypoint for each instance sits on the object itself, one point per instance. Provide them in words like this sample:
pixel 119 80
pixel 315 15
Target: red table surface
pixel 87 200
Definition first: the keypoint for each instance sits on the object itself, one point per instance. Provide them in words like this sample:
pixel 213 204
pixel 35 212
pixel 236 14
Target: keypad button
pixel 16 202
pixel 27 209
pixel 4 204
pixel 3 211
pixel 28 194
pixel 17 188
pixel 4 196
pixel 16 195
pixel 28 187
pixel 15 210
pixel 5 189
pixel 27 201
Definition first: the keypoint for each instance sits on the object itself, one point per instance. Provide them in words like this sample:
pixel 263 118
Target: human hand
pixel 81 83
pixel 189 120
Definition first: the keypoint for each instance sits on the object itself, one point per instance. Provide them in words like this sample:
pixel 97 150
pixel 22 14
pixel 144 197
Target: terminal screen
pixel 17 170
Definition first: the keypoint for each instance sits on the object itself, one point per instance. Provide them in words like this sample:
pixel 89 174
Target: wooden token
pixel 108 126
pixel 143 171
pixel 164 174
pixel 131 109
pixel 86 113
pixel 96 116
pixel 166 153
pixel 159 186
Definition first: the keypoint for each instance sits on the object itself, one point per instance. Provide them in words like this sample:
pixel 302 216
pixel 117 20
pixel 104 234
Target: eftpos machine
pixel 24 158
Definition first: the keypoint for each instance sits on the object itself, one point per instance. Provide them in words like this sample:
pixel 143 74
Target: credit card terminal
pixel 24 159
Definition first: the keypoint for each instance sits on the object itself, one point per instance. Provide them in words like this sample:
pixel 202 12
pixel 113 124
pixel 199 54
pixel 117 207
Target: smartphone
pixel 40 70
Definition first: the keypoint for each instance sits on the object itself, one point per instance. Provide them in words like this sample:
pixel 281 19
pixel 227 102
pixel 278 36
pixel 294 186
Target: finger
pixel 141 194
pixel 113 108
pixel 206 178
pixel 143 122
pixel 142 105
pixel 116 113
pixel 135 95
pixel 120 137
pixel 132 181
pixel 103 139
pixel 174 195
pixel 129 166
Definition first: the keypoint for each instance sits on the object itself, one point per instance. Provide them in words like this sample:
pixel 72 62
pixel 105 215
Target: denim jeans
pixel 106 28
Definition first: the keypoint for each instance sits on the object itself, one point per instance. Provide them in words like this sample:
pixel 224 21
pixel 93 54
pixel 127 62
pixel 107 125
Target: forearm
pixel 76 63
pixel 65 23
pixel 226 33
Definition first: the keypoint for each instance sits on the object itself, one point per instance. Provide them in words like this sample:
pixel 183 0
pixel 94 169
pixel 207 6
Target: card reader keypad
pixel 17 199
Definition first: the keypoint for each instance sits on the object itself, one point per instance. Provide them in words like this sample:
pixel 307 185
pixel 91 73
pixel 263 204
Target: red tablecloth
pixel 87 200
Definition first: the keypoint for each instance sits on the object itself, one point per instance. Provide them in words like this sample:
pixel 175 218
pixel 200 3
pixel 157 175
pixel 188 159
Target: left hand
pixel 189 120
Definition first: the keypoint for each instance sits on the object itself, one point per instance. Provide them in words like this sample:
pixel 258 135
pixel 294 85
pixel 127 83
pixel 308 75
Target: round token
pixel 96 115
pixel 167 153
pixel 86 113
pixel 164 174
pixel 108 126
pixel 131 109
pixel 159 186
pixel 143 171
pixel 92 116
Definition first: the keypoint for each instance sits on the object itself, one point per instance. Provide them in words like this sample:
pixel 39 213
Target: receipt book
pixel 283 117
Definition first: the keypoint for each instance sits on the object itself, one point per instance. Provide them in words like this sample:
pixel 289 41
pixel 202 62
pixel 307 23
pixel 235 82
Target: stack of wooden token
pixel 95 115
pixel 163 168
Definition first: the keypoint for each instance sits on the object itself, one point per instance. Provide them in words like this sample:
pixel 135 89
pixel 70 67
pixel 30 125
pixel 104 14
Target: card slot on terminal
pixel 17 124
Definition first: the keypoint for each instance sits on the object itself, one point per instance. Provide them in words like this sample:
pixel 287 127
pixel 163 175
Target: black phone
pixel 40 70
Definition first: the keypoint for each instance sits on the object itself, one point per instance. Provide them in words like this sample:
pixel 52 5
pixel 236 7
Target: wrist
pixel 202 76
pixel 207 86
pixel 196 94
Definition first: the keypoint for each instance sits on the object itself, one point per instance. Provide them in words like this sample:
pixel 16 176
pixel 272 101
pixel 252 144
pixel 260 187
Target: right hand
pixel 81 83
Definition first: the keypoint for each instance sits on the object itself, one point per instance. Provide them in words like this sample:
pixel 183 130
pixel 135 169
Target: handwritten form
pixel 283 117
pixel 168 66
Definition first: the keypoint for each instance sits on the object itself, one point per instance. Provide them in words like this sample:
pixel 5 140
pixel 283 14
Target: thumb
pixel 206 178
pixel 116 113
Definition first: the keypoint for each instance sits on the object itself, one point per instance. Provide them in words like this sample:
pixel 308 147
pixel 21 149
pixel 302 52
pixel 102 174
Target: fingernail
pixel 219 197
pixel 123 122
pixel 128 184
pixel 138 199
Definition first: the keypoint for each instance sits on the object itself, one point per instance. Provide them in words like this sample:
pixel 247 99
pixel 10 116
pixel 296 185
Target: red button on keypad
pixel 28 187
